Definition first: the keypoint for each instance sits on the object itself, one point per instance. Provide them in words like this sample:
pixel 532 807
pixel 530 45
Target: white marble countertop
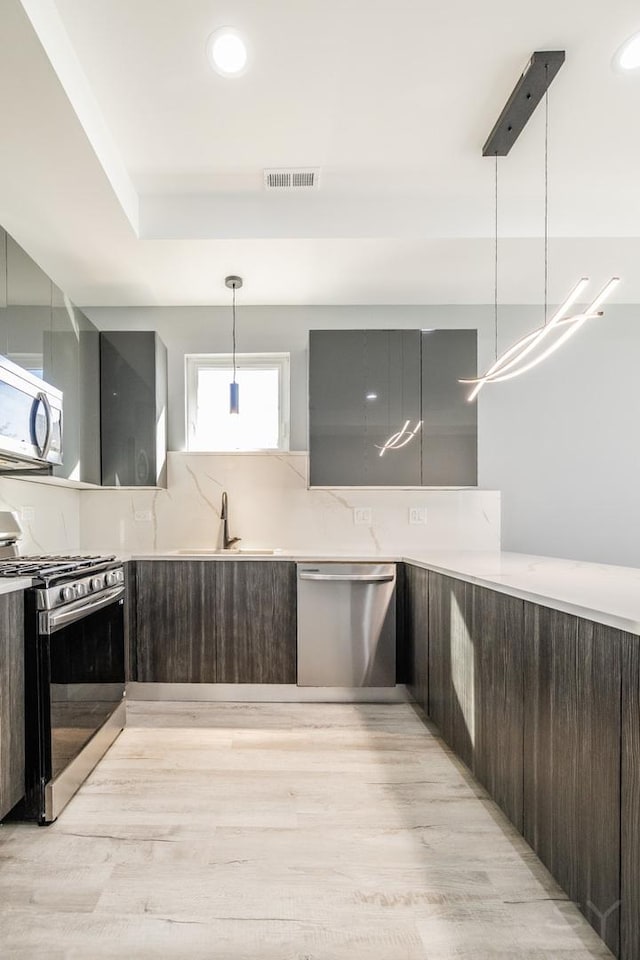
pixel 10 586
pixel 596 591
pixel 299 556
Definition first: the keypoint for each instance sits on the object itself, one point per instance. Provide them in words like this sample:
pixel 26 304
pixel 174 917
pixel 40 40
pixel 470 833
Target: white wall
pixel 560 443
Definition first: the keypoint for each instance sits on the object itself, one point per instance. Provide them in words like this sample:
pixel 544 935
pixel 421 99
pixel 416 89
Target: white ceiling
pixel 133 173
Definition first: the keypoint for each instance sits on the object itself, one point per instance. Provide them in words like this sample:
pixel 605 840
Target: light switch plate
pixel 362 516
pixel 417 514
pixel 143 516
pixel 27 514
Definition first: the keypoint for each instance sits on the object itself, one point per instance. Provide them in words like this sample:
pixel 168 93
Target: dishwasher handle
pixel 349 577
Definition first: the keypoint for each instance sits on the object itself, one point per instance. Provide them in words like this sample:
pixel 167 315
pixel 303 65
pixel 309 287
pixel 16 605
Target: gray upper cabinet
pixel 449 421
pixel 42 331
pixel 367 387
pixel 133 391
pixel 363 386
pixel 26 314
pixel 73 367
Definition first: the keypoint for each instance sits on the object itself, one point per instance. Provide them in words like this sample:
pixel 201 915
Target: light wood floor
pixel 280 832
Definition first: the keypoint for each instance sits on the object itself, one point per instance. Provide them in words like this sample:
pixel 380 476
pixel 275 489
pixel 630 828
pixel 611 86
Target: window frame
pixel 195 362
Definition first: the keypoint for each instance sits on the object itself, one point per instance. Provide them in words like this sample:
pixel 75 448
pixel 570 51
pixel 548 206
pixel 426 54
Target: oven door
pixel 82 685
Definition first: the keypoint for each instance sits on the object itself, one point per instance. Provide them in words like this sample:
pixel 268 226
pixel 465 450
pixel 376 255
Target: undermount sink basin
pixel 248 552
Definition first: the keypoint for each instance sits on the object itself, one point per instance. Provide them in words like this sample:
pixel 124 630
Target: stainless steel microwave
pixel 30 420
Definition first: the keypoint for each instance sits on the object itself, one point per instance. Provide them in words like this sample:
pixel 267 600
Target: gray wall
pixel 560 442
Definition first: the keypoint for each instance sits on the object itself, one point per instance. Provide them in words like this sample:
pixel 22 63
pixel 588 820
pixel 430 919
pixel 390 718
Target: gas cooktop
pixel 51 567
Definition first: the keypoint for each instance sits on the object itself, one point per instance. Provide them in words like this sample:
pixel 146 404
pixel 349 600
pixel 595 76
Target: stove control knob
pixel 112 578
pixel 81 589
pixel 67 594
pixel 96 583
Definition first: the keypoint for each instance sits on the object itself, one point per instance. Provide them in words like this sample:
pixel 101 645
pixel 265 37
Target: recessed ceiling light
pixel 628 56
pixel 372 396
pixel 227 52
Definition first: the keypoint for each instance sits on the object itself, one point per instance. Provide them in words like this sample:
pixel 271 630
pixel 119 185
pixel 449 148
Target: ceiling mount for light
pixel 526 95
pixel 227 52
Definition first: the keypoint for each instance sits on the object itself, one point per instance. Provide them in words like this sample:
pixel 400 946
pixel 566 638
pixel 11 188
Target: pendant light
pixel 234 283
pixel 532 348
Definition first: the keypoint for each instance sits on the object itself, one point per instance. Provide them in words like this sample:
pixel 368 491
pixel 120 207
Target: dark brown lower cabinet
pixel 204 621
pixel 11 700
pixel 572 730
pixel 498 648
pixel 630 826
pixel 256 621
pixel 130 613
pixel 175 621
pixel 416 633
pixel 544 707
pixel 451 663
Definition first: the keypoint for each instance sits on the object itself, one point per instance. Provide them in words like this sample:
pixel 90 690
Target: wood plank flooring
pixel 281 832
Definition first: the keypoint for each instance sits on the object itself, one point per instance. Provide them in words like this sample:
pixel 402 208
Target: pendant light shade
pixel 234 283
pixel 234 398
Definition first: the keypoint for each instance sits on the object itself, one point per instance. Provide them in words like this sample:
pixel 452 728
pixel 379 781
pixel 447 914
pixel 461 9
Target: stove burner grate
pixel 47 566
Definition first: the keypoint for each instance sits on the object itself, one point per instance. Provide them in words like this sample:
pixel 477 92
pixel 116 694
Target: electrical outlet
pixel 417 514
pixel 143 516
pixel 362 515
pixel 27 514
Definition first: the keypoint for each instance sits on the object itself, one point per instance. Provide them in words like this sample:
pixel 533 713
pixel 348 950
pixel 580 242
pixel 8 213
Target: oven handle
pixel 50 622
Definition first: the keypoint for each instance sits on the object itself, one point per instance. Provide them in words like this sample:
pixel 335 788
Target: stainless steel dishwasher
pixel 346 625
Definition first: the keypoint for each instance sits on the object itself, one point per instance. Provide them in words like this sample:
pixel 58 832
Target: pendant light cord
pixel 495 263
pixel 546 192
pixel 234 334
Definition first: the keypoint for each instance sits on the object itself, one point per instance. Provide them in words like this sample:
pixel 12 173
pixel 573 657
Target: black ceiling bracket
pixel 527 94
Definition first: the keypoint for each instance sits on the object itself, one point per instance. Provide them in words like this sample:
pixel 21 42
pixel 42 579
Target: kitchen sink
pixel 248 552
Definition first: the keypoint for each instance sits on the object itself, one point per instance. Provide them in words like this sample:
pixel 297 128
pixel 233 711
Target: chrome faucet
pixel 227 541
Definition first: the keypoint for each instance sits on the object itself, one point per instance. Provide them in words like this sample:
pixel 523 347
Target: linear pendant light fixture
pixel 532 349
pixel 234 283
pixel 511 363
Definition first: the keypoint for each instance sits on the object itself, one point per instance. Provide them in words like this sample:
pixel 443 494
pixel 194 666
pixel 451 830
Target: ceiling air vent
pixel 292 179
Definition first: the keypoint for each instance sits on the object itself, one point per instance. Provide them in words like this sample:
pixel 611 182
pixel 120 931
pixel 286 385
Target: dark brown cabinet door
pixel 451 663
pixel 572 759
pixel 11 700
pixel 256 621
pixel 498 644
pixel 416 632
pixel 630 826
pixel 176 621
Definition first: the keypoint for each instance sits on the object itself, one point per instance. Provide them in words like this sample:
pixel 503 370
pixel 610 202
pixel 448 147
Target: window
pixel 263 420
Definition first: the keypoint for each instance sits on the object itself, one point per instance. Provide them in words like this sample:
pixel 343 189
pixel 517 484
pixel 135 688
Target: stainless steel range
pixel 74 672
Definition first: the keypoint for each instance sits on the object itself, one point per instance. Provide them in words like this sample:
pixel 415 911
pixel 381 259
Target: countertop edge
pixel 618 622
pixel 12 586
pixel 505 583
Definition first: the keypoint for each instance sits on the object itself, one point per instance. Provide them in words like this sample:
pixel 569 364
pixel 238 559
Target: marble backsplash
pixel 271 506
pixel 49 515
